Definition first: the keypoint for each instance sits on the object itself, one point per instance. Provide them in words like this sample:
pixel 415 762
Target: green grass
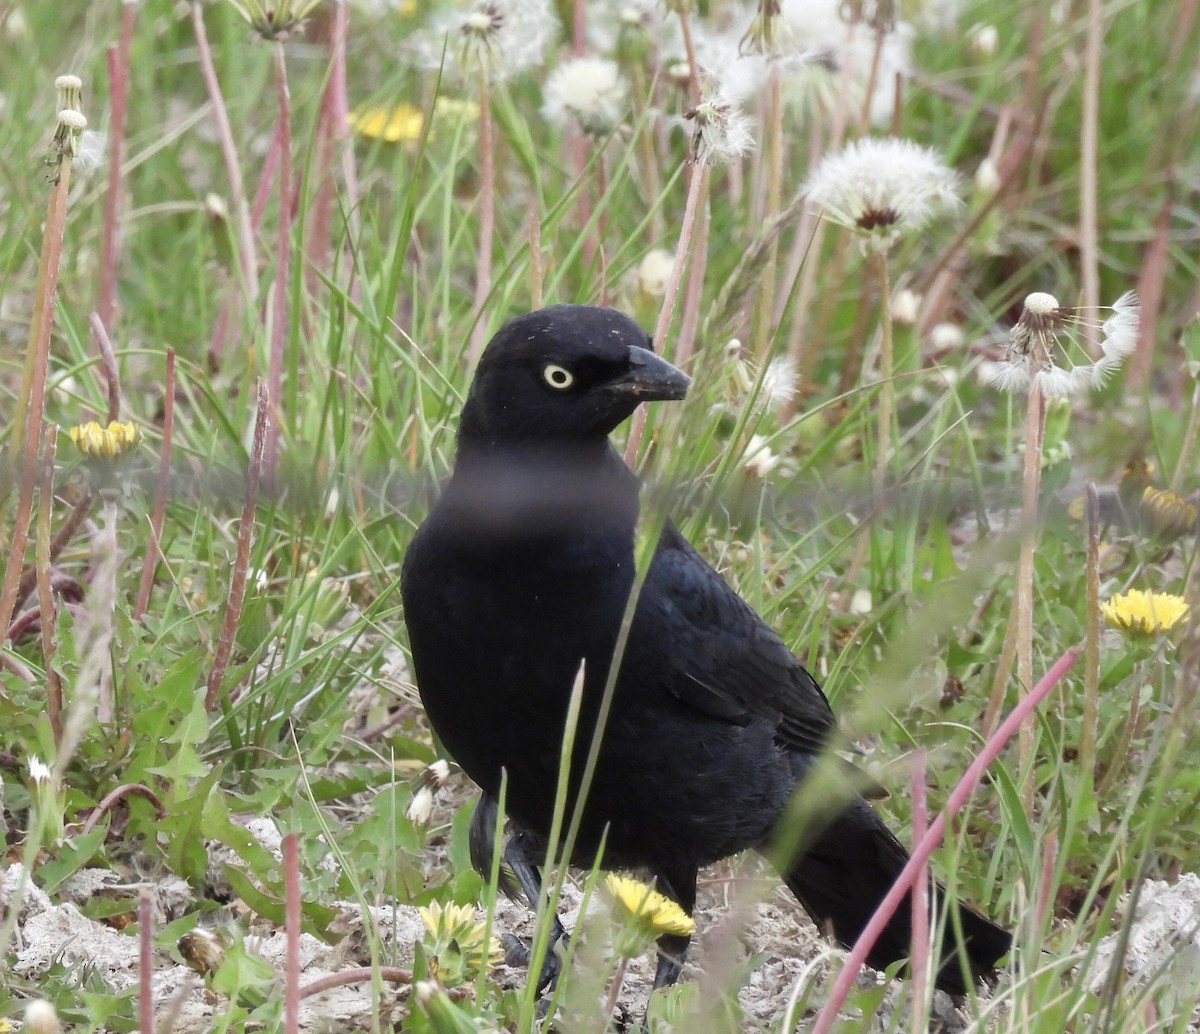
pixel 374 375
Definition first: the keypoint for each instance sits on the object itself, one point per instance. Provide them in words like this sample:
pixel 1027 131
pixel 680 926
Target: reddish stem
pixel 922 851
pixel 145 962
pixel 920 895
pixel 113 796
pixel 46 610
pixel 237 583
pixel 279 321
pixel 118 93
pixel 291 922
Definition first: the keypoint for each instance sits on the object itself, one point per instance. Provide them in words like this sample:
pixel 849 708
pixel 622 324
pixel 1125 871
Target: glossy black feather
pixel 523 570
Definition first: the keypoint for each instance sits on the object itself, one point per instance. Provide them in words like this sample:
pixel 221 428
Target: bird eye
pixel 558 377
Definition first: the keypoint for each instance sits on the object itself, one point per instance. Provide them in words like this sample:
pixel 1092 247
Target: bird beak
pixel 650 378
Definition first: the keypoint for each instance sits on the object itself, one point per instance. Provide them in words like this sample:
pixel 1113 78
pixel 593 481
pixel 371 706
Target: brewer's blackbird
pixel 523 570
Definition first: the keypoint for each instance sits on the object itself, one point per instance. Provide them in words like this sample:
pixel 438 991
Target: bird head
pixel 566 373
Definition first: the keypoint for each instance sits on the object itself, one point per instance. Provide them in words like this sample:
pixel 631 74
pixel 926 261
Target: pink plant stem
pixel 689 316
pixel 1089 228
pixel 27 420
pixel 291 923
pixel 237 583
pixel 247 253
pixel 695 193
pixel 1091 657
pixel 922 851
pixel 279 314
pixel 46 610
pixel 118 94
pixel 487 219
pixel 112 797
pixel 108 362
pixel 160 493
pixel 145 962
pixel 392 974
pixel 920 895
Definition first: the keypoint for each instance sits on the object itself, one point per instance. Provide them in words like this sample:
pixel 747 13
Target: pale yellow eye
pixel 558 377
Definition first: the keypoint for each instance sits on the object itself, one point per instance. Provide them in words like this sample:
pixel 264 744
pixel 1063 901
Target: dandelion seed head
pixel 883 186
pixel 40 1017
pixel 905 307
pixel 719 129
pixel 654 272
pixel 497 39
pixel 987 178
pixel 779 382
pixel 1045 351
pixel 759 460
pixel 73 120
pixel 984 41
pixel 589 90
pixel 946 337
pixel 68 82
pixel 1041 304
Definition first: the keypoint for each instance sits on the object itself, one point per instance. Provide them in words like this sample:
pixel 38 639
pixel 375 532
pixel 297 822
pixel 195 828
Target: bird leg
pixel 679 884
pixel 522 853
pixel 529 876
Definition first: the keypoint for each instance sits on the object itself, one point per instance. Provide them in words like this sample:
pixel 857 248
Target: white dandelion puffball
pixel 589 90
pixel 881 186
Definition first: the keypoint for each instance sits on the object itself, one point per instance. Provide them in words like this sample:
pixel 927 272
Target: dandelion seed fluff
pixel 883 185
pixel 719 129
pixel 589 90
pixel 496 38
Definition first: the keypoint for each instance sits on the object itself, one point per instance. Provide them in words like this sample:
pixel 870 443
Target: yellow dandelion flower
pixel 1167 513
pixel 456 942
pixel 105 442
pixel 654 913
pixel 400 123
pixel 1144 613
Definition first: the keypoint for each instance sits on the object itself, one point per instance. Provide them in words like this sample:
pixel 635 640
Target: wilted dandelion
pixel 1038 346
pixel 650 913
pixel 456 942
pixel 494 38
pixel 400 123
pixel 759 460
pixel 882 187
pixel 590 91
pixel 1144 614
pixel 202 950
pixel 433 777
pixel 1167 513
pixel 68 133
pixel 105 442
pixel 720 131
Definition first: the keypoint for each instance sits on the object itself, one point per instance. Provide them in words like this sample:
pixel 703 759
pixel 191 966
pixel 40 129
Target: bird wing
pixel 714 653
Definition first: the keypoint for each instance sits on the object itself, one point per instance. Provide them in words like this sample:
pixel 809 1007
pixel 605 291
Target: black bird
pixel 523 569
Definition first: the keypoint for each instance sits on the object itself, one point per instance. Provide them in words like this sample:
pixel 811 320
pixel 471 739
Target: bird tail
pixel 846 872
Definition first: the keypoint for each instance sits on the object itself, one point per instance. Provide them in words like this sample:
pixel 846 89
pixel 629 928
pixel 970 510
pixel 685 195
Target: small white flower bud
pixel 654 272
pixel 40 1017
pixel 946 337
pixel 984 41
pixel 905 306
pixel 987 178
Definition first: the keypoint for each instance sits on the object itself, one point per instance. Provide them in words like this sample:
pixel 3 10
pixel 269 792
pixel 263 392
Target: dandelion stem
pixel 247 253
pixel 1089 232
pixel 922 851
pixel 241 561
pixel 27 419
pixel 695 192
pixel 487 218
pixel 887 373
pixel 42 561
pixel 614 989
pixel 118 93
pixel 1035 426
pixel 774 161
pixel 1091 669
pixel 279 313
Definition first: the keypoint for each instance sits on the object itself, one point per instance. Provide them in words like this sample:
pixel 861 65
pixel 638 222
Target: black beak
pixel 650 378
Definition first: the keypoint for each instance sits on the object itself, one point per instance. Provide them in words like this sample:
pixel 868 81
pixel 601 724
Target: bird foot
pixel 517 954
